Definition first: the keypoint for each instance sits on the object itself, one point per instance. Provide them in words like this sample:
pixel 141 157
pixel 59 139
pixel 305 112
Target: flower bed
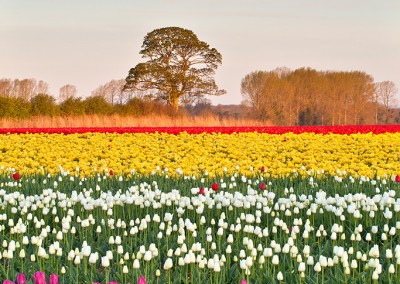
pixel 299 230
pixel 195 154
pixel 175 207
pixel 345 129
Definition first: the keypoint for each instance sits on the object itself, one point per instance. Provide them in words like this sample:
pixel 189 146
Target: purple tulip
pixel 53 279
pixel 8 282
pixel 21 279
pixel 39 277
pixel 243 281
pixel 142 280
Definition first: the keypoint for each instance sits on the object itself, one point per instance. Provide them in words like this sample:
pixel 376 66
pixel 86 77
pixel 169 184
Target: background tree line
pixel 309 97
pixel 280 97
pixel 28 97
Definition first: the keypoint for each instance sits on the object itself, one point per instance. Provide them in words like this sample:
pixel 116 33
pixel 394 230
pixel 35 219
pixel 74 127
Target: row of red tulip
pixel 40 278
pixel 340 129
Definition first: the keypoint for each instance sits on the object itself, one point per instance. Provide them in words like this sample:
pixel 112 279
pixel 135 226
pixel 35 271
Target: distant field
pixel 125 121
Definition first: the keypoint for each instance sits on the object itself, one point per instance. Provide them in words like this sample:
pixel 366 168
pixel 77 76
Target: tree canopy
pixel 309 97
pixel 178 66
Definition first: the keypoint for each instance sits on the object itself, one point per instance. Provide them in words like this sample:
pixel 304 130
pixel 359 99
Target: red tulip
pixel 142 280
pixel 214 186
pixel 8 282
pixel 39 277
pixel 16 176
pixel 21 279
pixel 111 172
pixel 397 178
pixel 262 169
pixel 262 186
pixel 201 191
pixel 53 279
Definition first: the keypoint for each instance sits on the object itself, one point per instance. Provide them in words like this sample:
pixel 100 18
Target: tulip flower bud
pixel 136 264
pixel 279 276
pixel 53 279
pixel 275 260
pixel 317 267
pixel 39 277
pixel 21 279
pixel 105 262
pixel 168 264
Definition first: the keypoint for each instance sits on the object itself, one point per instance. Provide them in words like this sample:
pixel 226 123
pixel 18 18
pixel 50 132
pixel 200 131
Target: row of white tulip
pixel 249 225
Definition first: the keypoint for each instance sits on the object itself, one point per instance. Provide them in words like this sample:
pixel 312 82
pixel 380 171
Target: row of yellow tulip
pixel 195 154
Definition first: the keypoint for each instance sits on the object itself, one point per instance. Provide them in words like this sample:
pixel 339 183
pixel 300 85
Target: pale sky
pixel 90 42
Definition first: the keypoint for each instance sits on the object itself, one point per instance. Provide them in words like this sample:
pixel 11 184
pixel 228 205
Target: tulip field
pixel 191 205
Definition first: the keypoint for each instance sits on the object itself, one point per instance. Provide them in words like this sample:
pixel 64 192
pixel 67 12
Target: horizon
pixel 90 43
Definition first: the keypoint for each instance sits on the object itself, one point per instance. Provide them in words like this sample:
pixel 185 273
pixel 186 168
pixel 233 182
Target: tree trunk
pixel 175 103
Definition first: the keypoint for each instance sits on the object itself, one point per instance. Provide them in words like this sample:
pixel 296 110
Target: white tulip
pixel 317 267
pixel 389 253
pixel 136 264
pixel 310 260
pixel 77 260
pixel 374 251
pixel 279 276
pixel 148 256
pixel 217 267
pixel 120 249
pixel 391 269
pixel 168 264
pixel 302 267
pixel 86 251
pixel 275 260
pixel 375 276
pixel 210 263
pixel 105 262
pixel 93 258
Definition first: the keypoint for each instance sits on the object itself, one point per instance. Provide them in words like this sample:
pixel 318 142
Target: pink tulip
pixel 21 279
pixel 8 282
pixel 142 280
pixel 243 281
pixel 112 282
pixel 53 279
pixel 39 277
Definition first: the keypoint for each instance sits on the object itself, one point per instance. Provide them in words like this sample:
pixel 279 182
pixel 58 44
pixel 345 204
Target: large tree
pixel 178 65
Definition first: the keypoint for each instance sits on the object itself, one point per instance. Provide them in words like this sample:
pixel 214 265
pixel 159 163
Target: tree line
pixel 28 97
pixel 306 96
pixel 26 89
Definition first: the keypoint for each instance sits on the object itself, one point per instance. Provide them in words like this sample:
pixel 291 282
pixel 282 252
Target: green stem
pixel 77 274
